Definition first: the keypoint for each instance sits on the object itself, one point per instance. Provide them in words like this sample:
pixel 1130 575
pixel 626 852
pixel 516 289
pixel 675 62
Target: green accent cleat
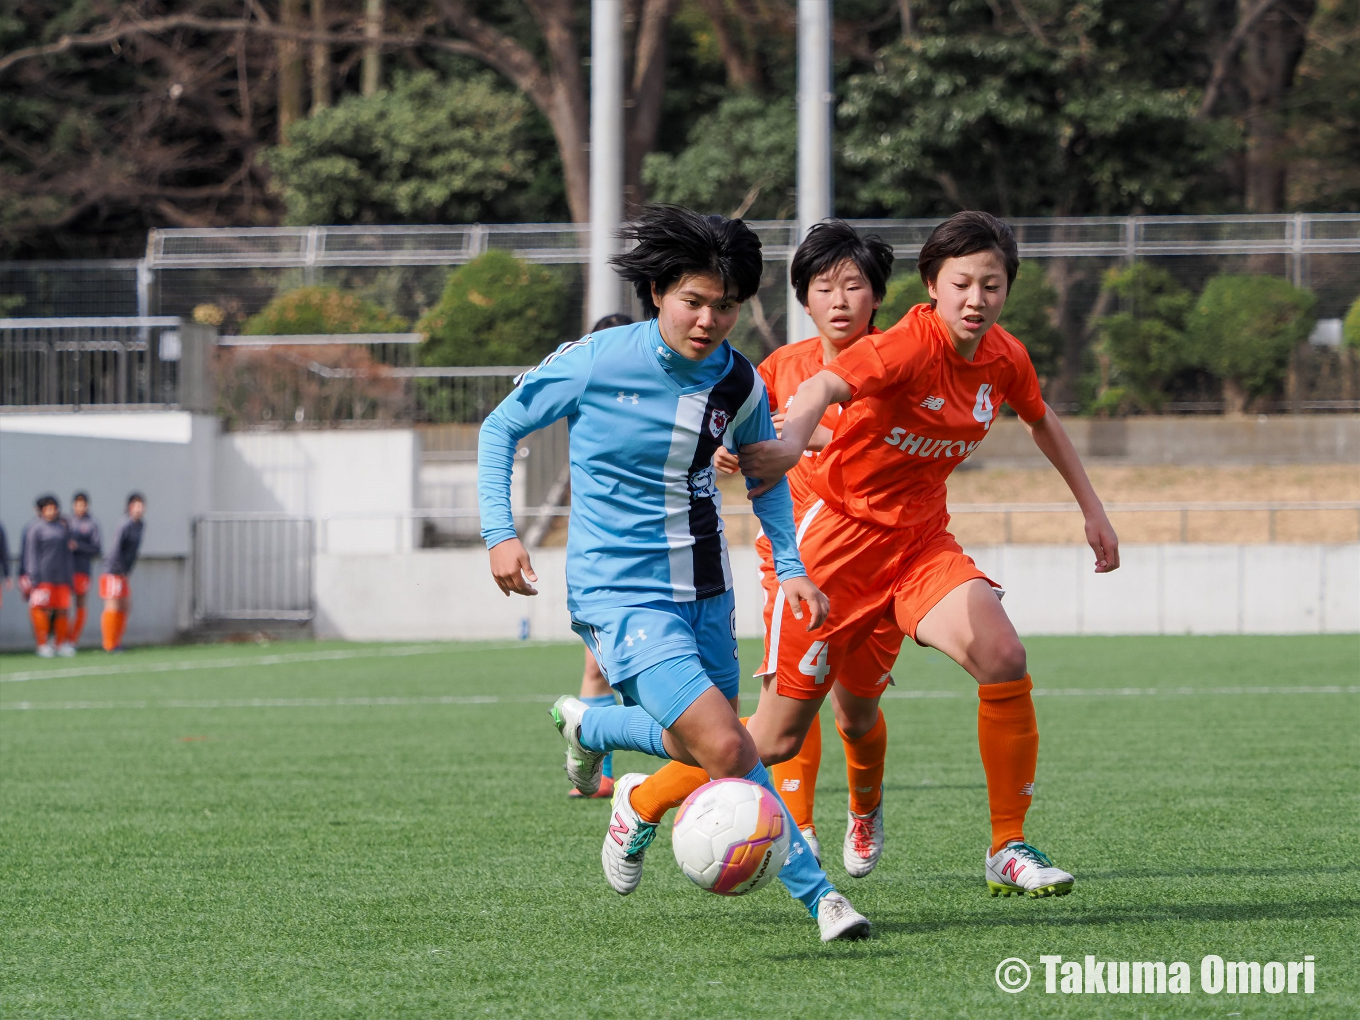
pixel 1018 869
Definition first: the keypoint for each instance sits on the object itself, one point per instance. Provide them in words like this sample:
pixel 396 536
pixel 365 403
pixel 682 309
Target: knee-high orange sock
pixel 108 629
pixel 122 626
pixel 666 788
pixel 61 625
pixel 78 625
pixel 1008 737
pixel 40 625
pixel 796 779
pixel 864 758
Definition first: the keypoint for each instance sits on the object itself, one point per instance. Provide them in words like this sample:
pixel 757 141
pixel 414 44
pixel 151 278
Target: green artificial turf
pixel 365 831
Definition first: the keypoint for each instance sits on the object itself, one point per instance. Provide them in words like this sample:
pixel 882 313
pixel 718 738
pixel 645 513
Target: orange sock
pixel 864 766
pixel 122 626
pixel 796 779
pixel 40 625
pixel 79 625
pixel 108 628
pixel 1008 737
pixel 61 623
pixel 666 788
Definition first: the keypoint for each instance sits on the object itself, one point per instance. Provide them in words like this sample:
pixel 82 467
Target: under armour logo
pixel 933 403
pixel 641 636
pixel 626 396
pixel 664 351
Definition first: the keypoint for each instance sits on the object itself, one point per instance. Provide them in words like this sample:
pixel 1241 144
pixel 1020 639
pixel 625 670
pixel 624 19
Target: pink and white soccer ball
pixel 730 837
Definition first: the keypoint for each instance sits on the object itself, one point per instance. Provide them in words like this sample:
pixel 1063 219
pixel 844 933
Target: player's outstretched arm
pixel 769 460
pixel 1052 439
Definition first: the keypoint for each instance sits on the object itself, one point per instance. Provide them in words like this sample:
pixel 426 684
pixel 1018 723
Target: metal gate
pixel 253 567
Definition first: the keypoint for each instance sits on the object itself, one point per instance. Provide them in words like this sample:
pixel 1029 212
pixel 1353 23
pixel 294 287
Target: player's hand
pixel 767 462
pixel 726 461
pixel 1104 542
pixel 510 566
pixel 798 590
pixel 778 419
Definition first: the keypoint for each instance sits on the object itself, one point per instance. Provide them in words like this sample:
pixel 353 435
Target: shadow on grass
pixel 1196 912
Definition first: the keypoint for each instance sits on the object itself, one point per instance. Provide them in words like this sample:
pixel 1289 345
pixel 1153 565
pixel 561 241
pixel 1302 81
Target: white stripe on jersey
pixel 777 617
pixel 689 418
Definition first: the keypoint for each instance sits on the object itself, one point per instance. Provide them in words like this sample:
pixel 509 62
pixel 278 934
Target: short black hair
pixel 610 321
pixel 82 494
pixel 46 501
pixel 135 497
pixel 673 242
pixel 832 242
pixel 967 233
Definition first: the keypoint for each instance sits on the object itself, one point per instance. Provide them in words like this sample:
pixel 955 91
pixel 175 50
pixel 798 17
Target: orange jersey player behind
pixel 917 400
pixel 840 277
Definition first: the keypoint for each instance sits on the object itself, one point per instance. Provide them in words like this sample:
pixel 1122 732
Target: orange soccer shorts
pixel 113 586
pixel 880 581
pixel 80 583
pixel 50 596
pixel 865 670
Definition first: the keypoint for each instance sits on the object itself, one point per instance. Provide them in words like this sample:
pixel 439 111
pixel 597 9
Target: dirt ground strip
pixel 1169 484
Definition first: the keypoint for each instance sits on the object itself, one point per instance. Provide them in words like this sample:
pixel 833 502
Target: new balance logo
pixel 1027 790
pixel 1012 869
pixel 933 403
pixel 617 828
pixel 626 396
pixel 790 785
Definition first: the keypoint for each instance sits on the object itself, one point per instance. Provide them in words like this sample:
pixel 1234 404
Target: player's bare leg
pixel 970 626
pixel 865 736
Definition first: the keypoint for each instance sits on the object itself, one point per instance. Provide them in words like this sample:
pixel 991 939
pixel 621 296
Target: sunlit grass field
pixel 315 830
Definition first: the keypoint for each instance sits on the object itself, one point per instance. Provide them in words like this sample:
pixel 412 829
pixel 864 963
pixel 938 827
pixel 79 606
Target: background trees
pixel 119 116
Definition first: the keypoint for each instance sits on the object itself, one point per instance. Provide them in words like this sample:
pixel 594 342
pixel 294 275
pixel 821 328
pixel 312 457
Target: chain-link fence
pixel 405 269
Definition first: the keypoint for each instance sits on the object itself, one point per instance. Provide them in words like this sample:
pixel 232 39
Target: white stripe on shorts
pixel 777 617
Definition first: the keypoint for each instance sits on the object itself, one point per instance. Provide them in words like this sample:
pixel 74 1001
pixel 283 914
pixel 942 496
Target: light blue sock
pixel 603 701
pixel 802 876
pixel 622 729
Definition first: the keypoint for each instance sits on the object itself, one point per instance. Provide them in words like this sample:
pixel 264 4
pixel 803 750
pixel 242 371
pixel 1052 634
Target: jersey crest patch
pixel 717 422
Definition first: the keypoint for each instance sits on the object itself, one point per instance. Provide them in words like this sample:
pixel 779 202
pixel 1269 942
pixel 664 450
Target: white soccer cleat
pixel 66 650
pixel 627 838
pixel 810 834
pixel 1017 869
pixel 863 842
pixel 584 767
pixel 46 651
pixel 839 920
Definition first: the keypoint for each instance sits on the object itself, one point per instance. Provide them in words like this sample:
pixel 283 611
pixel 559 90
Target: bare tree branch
pixel 1225 56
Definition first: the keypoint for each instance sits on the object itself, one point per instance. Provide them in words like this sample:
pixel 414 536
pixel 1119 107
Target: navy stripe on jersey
pixel 711 576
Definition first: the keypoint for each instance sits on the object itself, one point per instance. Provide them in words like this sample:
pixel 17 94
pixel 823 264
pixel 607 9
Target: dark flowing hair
pixel 967 233
pixel 673 242
pixel 832 242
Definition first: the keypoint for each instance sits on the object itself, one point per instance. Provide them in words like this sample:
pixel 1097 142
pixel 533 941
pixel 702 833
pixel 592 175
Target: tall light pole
pixel 606 155
pixel 815 104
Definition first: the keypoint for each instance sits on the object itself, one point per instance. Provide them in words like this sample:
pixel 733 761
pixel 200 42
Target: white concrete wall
pixel 1160 589
pixel 334 475
pixel 167 455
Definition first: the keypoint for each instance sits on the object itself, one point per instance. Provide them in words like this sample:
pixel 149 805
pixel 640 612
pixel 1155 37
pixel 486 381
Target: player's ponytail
pixel 673 242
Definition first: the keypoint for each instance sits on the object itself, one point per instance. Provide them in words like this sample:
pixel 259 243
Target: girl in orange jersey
pixel 917 400
pixel 840 278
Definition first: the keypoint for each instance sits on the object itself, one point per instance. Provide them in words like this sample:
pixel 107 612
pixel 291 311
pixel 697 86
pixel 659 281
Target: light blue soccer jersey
pixel 645 509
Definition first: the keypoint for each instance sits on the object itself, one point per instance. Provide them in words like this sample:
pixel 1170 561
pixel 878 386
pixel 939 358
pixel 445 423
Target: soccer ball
pixel 730 837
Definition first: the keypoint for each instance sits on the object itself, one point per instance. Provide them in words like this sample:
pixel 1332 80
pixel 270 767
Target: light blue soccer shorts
pixel 699 638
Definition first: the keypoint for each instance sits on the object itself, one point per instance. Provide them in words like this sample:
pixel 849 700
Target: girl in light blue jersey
pixel 648 579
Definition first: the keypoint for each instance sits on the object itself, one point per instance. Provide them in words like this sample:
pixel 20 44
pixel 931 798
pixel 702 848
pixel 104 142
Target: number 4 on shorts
pixel 815 662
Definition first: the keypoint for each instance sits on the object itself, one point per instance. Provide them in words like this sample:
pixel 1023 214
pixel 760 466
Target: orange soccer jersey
pixel 868 666
pixel 875 541
pixel 917 410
